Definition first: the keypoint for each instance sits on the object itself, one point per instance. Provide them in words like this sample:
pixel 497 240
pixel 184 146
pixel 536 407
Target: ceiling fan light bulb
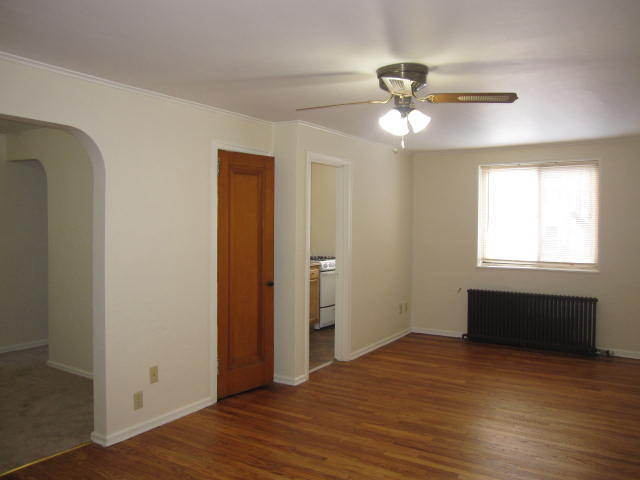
pixel 418 120
pixel 394 122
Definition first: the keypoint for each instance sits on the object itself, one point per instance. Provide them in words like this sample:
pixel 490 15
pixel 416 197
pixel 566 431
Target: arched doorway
pixel 80 349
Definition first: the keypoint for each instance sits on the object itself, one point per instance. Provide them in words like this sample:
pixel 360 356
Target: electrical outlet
pixel 137 400
pixel 153 374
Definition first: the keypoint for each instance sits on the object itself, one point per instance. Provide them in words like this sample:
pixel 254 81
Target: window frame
pixel 482 262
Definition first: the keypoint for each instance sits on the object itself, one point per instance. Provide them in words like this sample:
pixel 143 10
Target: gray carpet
pixel 42 410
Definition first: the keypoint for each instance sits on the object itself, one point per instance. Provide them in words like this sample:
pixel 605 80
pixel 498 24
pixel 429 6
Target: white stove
pixel 327 290
pixel 326 263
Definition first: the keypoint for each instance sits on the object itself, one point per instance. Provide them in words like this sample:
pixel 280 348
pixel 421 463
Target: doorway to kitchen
pixel 328 256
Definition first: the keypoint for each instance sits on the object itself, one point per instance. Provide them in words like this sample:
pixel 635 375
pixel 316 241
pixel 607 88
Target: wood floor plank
pixel 423 407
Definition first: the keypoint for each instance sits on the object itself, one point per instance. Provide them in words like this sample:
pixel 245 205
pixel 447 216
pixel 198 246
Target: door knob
pixel 270 284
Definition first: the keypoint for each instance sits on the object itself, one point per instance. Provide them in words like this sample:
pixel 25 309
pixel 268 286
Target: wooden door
pixel 245 272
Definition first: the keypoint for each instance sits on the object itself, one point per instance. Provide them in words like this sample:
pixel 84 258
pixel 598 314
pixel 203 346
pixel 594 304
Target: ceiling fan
pixel 405 82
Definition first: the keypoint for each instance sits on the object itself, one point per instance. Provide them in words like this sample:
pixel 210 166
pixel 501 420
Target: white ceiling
pixel 574 63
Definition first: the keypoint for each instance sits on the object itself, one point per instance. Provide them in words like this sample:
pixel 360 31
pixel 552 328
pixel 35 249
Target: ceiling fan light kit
pixel 398 120
pixel 394 122
pixel 405 82
pixel 418 120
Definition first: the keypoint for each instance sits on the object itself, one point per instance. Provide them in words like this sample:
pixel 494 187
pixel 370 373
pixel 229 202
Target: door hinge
pixel 218 167
pixel 218 365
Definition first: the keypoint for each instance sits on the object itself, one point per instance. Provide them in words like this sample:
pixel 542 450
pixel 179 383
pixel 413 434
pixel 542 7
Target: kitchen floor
pixel 321 346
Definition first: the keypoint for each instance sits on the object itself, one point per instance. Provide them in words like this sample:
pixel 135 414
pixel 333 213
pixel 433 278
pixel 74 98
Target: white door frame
pixel 344 188
pixel 213 271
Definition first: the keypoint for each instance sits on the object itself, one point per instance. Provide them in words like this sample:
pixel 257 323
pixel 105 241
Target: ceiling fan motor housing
pixel 403 79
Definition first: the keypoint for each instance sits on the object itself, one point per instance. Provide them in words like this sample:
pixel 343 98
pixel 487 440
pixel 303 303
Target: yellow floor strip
pixel 13 470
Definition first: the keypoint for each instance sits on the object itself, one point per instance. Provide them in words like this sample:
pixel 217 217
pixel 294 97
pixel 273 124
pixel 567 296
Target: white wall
pixel 445 207
pixel 69 179
pixel 155 228
pixel 323 210
pixel 381 238
pixel 155 225
pixel 23 252
pixel 287 225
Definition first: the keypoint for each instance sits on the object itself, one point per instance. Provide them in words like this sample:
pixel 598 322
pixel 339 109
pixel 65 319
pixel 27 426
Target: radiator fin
pixel 533 320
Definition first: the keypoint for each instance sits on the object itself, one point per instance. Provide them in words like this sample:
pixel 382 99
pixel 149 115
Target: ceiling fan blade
pixel 493 97
pixel 345 104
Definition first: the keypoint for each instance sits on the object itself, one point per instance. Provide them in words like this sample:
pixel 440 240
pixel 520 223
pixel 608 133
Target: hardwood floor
pixel 421 408
pixel 321 346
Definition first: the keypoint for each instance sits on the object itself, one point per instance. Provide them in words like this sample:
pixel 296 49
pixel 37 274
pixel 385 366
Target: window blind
pixel 540 215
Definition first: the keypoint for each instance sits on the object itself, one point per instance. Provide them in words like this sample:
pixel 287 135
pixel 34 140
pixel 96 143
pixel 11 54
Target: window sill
pixel 541 269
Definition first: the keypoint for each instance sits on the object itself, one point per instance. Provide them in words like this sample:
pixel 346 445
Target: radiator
pixel 532 320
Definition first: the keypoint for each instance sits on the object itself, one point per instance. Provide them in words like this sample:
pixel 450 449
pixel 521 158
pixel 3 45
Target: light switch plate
pixel 137 400
pixel 153 374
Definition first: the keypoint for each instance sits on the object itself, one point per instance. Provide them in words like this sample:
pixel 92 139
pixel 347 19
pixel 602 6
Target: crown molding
pixel 633 137
pixel 122 86
pixel 315 126
pixel 152 93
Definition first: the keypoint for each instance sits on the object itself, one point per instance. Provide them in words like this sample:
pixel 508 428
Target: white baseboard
pixel 378 344
pixel 99 438
pixel 622 353
pixel 107 440
pixel 290 380
pixel 439 333
pixel 24 346
pixel 69 369
pixel 450 333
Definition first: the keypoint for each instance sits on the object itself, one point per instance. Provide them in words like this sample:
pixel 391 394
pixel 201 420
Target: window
pixel 541 215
